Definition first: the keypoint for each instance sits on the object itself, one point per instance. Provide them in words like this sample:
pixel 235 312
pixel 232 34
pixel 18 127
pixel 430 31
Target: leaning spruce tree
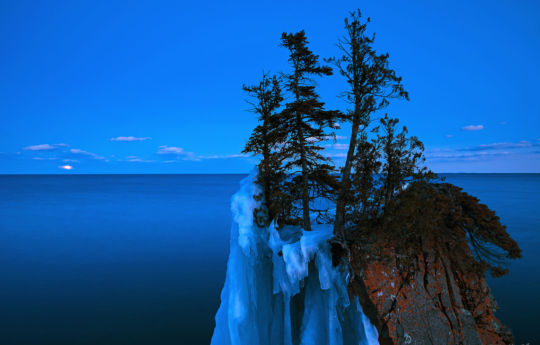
pixel 372 83
pixel 265 140
pixel 306 122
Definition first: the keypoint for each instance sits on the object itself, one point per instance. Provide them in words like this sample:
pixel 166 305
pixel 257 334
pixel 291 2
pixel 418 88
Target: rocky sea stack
pixel 375 248
pixel 426 284
pixel 432 305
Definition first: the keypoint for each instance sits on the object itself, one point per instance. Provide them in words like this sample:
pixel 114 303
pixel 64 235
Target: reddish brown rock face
pixel 430 304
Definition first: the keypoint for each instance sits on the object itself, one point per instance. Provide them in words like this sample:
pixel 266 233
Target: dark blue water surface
pixel 516 199
pixel 112 259
pixel 141 259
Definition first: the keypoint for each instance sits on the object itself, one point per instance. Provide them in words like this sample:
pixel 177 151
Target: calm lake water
pixel 141 259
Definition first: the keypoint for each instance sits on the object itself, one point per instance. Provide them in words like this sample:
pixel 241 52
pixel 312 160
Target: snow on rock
pixel 281 287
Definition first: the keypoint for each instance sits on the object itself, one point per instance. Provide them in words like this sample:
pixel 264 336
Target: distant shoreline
pixel 238 174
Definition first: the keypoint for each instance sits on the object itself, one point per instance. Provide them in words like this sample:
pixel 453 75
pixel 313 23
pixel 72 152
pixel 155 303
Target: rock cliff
pixel 429 302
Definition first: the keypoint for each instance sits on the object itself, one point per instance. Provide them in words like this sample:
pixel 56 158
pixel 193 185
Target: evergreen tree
pixel 371 84
pixel 403 157
pixel 306 122
pixel 265 140
pixel 384 189
pixel 363 203
pixel 441 219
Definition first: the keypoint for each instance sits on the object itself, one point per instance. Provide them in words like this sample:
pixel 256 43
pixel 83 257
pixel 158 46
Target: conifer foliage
pixel 372 83
pixel 306 121
pixel 441 218
pixel 383 188
pixel 265 139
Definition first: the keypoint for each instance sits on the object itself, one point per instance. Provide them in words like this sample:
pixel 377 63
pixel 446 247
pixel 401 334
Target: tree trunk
pixel 339 224
pixel 305 185
pixel 266 158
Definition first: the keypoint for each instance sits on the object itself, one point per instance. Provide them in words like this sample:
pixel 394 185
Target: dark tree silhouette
pixel 371 84
pixel 265 140
pixel 440 218
pixel 306 121
pixel 362 201
pixel 402 156
pixel 384 193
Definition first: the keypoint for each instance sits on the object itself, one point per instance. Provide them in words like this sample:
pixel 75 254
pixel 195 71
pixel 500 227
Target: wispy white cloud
pixel 470 128
pixel 465 156
pixel 500 146
pixel 339 146
pixel 486 151
pixel 337 155
pixel 86 153
pixel 60 152
pixel 44 147
pixel 223 156
pixel 66 167
pixel 449 136
pixel 168 150
pixel 41 147
pixel 179 152
pixel 135 159
pixel 325 137
pixel 44 158
pixel 130 138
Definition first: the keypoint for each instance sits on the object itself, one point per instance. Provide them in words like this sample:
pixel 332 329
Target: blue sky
pixel 155 86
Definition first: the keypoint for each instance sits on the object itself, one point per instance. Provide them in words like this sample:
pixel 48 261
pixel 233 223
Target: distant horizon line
pixel 246 173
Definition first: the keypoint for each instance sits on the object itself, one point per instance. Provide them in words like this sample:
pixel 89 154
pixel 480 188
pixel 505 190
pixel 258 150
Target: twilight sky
pixel 155 86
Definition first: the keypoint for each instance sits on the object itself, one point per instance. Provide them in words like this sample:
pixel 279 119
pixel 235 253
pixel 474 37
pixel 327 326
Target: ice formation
pixel 281 287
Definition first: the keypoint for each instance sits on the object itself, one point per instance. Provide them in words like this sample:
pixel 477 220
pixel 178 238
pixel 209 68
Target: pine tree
pixel 265 140
pixel 371 84
pixel 306 122
pixel 442 219
pixel 403 159
pixel 384 190
pixel 366 167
